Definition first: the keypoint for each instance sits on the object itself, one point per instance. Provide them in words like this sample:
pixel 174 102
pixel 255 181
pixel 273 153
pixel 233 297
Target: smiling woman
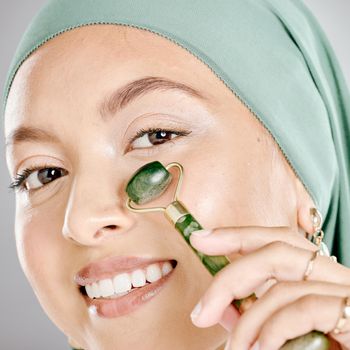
pixel 249 98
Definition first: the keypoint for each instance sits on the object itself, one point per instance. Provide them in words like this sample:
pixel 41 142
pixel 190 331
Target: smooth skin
pixel 236 180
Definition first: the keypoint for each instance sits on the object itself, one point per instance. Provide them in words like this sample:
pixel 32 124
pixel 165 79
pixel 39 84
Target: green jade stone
pixel 149 182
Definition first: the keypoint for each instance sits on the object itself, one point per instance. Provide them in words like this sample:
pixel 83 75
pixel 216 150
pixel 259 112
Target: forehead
pixel 77 67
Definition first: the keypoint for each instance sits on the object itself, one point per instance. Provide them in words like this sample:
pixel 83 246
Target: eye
pixel 154 136
pixel 36 177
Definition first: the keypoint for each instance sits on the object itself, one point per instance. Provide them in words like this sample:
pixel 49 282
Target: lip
pixel 123 305
pixel 109 267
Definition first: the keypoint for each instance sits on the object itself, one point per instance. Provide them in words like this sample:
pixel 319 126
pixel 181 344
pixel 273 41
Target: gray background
pixel 23 324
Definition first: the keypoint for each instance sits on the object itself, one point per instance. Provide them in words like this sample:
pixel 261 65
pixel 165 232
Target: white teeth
pixel 96 290
pixel 89 291
pixel 166 268
pixel 138 278
pixel 153 273
pixel 106 287
pixel 122 283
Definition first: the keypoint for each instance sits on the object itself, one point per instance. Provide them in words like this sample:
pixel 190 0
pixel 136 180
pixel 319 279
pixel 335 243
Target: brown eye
pixel 154 137
pixel 159 136
pixel 40 177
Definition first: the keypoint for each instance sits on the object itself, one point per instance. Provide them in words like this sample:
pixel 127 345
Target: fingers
pixel 313 312
pixel 276 260
pixel 279 296
pixel 242 240
pixel 271 254
pixel 229 318
pixel 243 276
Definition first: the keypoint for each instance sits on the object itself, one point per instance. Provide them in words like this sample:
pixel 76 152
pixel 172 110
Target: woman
pixel 244 94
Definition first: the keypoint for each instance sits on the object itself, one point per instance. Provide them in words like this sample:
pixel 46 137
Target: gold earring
pixel 318 234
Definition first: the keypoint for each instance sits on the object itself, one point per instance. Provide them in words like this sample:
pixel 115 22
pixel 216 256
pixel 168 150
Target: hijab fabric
pixel 272 54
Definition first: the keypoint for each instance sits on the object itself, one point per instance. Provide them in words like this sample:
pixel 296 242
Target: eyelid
pixel 21 177
pixel 142 132
pixel 150 130
pixel 39 161
pixel 157 120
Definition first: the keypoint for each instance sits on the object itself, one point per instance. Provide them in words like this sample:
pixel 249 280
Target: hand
pixel 291 307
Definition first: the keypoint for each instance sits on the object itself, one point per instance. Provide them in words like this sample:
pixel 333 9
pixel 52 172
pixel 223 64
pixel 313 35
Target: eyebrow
pixel 137 88
pixel 30 134
pixel 112 104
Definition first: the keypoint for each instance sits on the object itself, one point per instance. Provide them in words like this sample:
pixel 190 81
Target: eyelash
pixel 143 132
pixel 17 184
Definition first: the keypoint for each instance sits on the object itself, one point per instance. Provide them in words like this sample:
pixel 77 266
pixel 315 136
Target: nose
pixel 95 211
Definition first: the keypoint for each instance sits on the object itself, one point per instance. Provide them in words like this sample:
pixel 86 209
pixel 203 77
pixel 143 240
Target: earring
pixel 318 234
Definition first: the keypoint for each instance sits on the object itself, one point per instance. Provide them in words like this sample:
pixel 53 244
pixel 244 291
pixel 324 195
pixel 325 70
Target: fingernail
pixel 196 311
pixel 202 233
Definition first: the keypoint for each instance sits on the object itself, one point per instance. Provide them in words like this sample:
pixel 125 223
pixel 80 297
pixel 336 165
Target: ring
pixel 344 317
pixel 310 265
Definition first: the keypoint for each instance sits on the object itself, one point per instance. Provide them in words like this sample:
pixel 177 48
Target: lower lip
pixel 110 308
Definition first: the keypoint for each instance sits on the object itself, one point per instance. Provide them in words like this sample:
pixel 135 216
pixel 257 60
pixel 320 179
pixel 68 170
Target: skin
pixel 235 176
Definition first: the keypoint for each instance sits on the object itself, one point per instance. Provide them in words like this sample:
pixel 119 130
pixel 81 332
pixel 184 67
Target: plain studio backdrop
pixel 23 324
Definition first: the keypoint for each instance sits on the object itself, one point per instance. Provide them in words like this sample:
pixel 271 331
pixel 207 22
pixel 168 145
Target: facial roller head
pixel 148 182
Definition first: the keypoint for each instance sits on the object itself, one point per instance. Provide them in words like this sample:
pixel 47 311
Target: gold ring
pixel 310 265
pixel 344 317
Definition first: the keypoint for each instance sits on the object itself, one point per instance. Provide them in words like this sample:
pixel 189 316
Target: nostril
pixel 99 233
pixel 111 227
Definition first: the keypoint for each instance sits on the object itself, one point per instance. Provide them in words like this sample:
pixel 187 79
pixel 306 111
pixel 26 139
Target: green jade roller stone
pixel 148 183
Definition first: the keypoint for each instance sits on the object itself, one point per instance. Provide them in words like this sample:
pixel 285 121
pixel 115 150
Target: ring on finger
pixel 310 264
pixel 345 316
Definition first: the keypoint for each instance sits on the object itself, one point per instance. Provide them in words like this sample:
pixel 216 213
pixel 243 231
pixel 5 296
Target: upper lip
pixel 111 266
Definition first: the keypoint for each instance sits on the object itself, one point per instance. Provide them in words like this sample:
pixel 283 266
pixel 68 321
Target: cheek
pixel 233 181
pixel 41 252
pixel 34 244
pixel 45 259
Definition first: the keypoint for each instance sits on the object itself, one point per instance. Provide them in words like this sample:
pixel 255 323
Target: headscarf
pixel 272 54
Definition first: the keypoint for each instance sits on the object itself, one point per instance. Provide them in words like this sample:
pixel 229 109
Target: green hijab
pixel 271 54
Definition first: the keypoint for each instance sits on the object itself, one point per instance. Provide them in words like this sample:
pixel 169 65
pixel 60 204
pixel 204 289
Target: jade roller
pixel 150 182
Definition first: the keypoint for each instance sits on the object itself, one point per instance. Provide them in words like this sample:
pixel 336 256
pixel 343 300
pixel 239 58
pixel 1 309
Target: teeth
pixel 106 287
pixel 89 291
pixel 153 273
pixel 138 278
pixel 96 290
pixel 123 283
pixel 166 268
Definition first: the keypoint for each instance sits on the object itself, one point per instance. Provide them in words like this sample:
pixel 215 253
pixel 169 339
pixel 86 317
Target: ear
pixel 304 203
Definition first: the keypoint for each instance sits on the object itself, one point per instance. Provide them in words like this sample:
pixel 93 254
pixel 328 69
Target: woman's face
pixel 78 88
